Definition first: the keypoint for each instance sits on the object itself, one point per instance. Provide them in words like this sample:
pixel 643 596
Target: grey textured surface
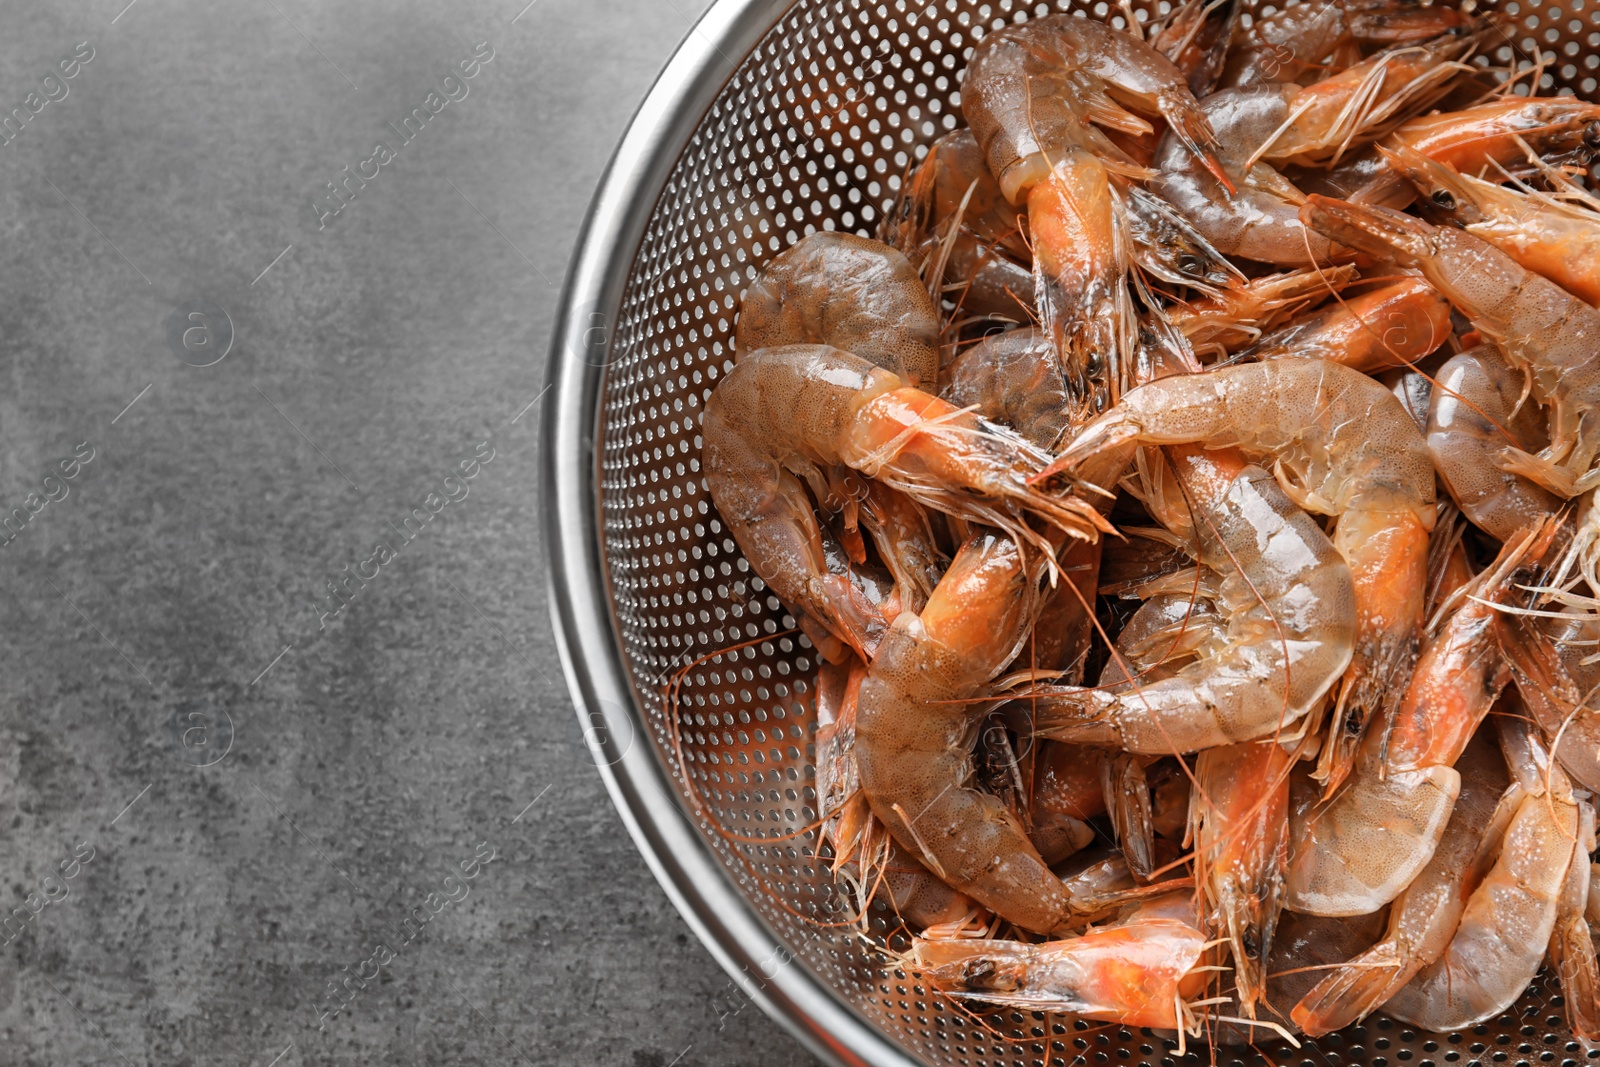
pixel 267 792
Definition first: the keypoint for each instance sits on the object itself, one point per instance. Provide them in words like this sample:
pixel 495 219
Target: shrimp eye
pixel 1442 198
pixel 1191 265
pixel 1353 724
pixel 1252 949
pixel 1591 134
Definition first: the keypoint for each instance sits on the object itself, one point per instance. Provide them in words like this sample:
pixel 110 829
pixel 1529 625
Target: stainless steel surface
pixel 776 119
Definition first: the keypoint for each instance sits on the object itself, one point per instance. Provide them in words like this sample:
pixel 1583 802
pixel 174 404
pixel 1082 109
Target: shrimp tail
pixel 1572 953
pixel 1351 992
pixel 1067 713
pixel 1102 436
pixel 1380 232
pixel 1188 122
pixel 1127 793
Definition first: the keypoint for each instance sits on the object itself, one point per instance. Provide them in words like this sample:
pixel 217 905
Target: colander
pixel 777 117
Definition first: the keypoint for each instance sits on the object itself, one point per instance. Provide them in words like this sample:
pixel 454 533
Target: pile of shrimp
pixel 1189 497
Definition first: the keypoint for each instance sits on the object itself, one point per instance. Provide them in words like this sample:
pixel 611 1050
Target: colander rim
pixel 585 625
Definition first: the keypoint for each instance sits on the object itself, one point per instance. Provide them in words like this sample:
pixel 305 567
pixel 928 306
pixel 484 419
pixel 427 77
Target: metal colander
pixel 775 118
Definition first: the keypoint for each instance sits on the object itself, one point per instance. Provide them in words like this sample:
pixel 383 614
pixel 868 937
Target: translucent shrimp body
pixel 1286 596
pixel 913 731
pixel 1356 852
pixel 954 221
pixel 1032 91
pixel 1572 950
pixel 1559 241
pixel 1475 415
pixel 1263 126
pixel 1013 378
pixel 1136 972
pixel 1391 326
pixel 1497 946
pixel 848 292
pixel 1472 140
pixel 1290 43
pixel 1425 914
pixel 1343 445
pixel 1240 815
pixel 782 416
pixel 1541 328
pixel 1260 221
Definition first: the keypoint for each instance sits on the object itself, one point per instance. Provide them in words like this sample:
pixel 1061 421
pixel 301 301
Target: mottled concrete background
pixel 218 794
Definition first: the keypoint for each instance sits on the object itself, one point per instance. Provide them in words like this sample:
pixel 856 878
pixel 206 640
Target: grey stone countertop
pixel 223 791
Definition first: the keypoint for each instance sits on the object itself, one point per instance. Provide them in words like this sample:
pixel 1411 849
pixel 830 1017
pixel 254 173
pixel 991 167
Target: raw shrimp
pixel 1501 938
pixel 1304 947
pixel 848 292
pixel 1343 445
pixel 1033 90
pixel 1167 246
pixel 1425 914
pixel 954 184
pixel 1367 100
pixel 1290 44
pixel 1239 811
pixel 1473 140
pixel 1476 414
pixel 1550 661
pixel 1391 326
pixel 1542 329
pixel 1267 125
pixel 915 724
pixel 1357 851
pixel 953 219
pixel 1013 378
pixel 866 858
pixel 1260 221
pixel 1547 236
pixel 1236 317
pixel 1196 37
pixel 1290 618
pixel 1080 264
pixel 784 414
pixel 901 531
pixel 1030 95
pixel 1136 972
pixel 1065 628
pixel 1572 951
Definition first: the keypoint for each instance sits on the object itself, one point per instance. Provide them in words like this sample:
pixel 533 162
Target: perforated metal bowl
pixel 777 117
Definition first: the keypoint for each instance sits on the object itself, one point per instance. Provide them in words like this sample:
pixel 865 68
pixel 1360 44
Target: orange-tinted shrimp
pixel 1240 815
pixel 1262 127
pixel 1347 448
pixel 1476 139
pixel 913 726
pixel 1539 326
pixel 1356 852
pixel 1475 415
pixel 1391 326
pixel 1195 37
pixel 1294 42
pixel 848 292
pixel 1497 946
pixel 1555 239
pixel 809 408
pixel 1136 972
pixel 1290 619
pixel 1425 914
